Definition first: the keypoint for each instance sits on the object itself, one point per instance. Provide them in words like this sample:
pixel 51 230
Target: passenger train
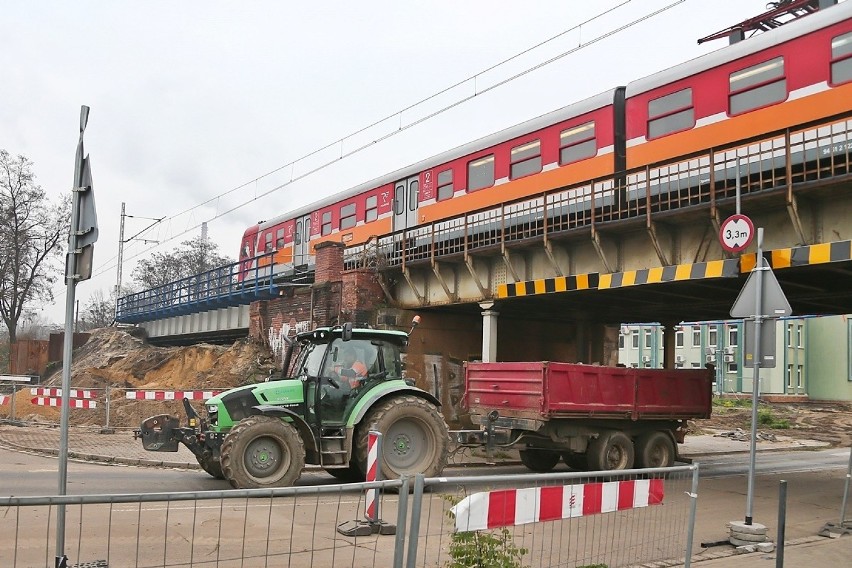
pixel 793 75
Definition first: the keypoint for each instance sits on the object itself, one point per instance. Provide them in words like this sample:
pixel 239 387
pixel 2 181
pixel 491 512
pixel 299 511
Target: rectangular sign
pixel 767 344
pixel 16 378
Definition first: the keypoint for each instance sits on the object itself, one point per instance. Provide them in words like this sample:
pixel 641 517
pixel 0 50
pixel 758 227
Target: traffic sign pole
pixel 755 386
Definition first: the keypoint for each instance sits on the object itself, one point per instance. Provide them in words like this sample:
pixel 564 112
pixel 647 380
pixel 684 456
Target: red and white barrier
pixel 4 399
pixel 57 402
pixel 72 393
pixel 371 499
pixel 510 507
pixel 170 395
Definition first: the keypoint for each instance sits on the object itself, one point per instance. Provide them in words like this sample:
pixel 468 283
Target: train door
pixel 406 195
pixel 302 241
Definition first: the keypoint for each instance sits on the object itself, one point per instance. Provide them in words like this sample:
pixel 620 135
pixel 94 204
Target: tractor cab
pixel 339 366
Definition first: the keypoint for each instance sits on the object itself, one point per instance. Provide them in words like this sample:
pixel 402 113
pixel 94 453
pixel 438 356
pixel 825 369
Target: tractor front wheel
pixel 262 451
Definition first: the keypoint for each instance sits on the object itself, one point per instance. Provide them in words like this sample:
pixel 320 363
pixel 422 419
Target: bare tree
pixel 98 312
pixel 190 258
pixel 33 232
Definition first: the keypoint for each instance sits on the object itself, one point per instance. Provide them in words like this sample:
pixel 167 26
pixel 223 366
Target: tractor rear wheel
pixel 211 464
pixel 262 451
pixel 540 461
pixel 415 438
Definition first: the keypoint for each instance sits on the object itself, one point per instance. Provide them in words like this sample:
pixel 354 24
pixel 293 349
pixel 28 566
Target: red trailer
pixel 593 417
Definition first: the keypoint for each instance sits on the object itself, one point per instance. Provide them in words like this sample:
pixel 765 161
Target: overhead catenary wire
pixel 110 265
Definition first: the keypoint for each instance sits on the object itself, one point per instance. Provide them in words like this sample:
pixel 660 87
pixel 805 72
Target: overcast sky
pixel 192 99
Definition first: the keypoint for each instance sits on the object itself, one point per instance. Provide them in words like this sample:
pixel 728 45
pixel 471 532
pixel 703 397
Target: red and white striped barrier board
pixel 4 399
pixel 510 507
pixel 72 393
pixel 371 499
pixel 170 395
pixel 57 402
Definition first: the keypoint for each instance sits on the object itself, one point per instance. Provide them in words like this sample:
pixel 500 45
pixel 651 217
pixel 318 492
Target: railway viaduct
pixel 553 276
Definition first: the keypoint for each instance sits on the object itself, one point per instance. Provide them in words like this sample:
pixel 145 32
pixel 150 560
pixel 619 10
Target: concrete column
pixel 489 332
pixel 669 344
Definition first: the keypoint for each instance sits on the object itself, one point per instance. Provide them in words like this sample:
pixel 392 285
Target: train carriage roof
pixel 573 110
pixel 821 19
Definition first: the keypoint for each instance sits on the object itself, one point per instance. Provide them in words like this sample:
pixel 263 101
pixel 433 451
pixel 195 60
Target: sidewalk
pixel 806 515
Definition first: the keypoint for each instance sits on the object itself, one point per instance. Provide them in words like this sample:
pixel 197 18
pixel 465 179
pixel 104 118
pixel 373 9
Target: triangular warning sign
pixel 774 303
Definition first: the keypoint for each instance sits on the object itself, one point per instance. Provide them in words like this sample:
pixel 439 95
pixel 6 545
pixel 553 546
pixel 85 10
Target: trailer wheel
pixel 415 438
pixel 211 465
pixel 262 451
pixel 540 461
pixel 610 451
pixel 655 449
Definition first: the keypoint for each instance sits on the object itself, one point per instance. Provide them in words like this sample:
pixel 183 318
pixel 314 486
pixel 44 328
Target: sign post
pixel 762 298
pixel 78 266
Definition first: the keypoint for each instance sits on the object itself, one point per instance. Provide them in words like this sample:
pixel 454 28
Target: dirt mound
pixel 115 357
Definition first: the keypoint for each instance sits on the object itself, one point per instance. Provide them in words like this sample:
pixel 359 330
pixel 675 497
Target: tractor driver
pixel 351 368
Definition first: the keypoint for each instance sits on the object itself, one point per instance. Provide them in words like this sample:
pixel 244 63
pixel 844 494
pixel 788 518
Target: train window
pixel 480 173
pixel 279 238
pixel 297 237
pixel 445 185
pixel 347 216
pixel 267 245
pixel 372 212
pixel 413 195
pixel 841 59
pixel 399 199
pixel 577 143
pixel 758 86
pixel 526 159
pixel 670 113
pixel 326 223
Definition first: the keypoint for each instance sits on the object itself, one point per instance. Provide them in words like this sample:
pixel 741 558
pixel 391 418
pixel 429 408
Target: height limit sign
pixel 736 233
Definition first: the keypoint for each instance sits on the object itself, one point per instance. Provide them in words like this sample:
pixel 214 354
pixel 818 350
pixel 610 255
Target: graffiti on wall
pixel 288 330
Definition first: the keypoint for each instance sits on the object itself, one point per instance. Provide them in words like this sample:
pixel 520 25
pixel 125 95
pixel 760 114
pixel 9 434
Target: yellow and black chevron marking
pixel 801 256
pixel 728 268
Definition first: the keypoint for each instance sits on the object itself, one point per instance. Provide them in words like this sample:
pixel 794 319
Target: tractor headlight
pixel 212 414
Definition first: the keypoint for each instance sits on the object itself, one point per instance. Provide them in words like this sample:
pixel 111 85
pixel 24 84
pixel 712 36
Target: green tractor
pixel 262 435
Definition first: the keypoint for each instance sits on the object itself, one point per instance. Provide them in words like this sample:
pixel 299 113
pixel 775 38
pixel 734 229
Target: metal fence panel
pixel 623 537
pixel 241 528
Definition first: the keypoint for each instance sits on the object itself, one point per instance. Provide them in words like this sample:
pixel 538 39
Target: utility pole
pixel 122 241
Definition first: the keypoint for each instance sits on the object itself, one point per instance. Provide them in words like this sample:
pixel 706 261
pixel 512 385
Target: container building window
pixel 279 238
pixel 480 173
pixel 733 336
pixel 621 341
pixel 445 185
pixel 696 336
pixel 758 86
pixel 577 143
pixel 635 343
pixel 526 159
pixel 326 223
pixel 372 209
pixel 647 339
pixel 711 337
pixel 841 59
pixel 679 338
pixel 347 216
pixel 671 113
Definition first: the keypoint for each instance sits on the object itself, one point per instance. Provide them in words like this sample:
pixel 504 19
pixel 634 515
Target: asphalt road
pixel 29 474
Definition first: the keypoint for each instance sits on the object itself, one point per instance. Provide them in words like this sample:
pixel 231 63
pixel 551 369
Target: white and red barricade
pixel 509 507
pixel 371 499
pixel 171 395
pixel 57 402
pixel 57 393
pixel 4 399
pixel 77 398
